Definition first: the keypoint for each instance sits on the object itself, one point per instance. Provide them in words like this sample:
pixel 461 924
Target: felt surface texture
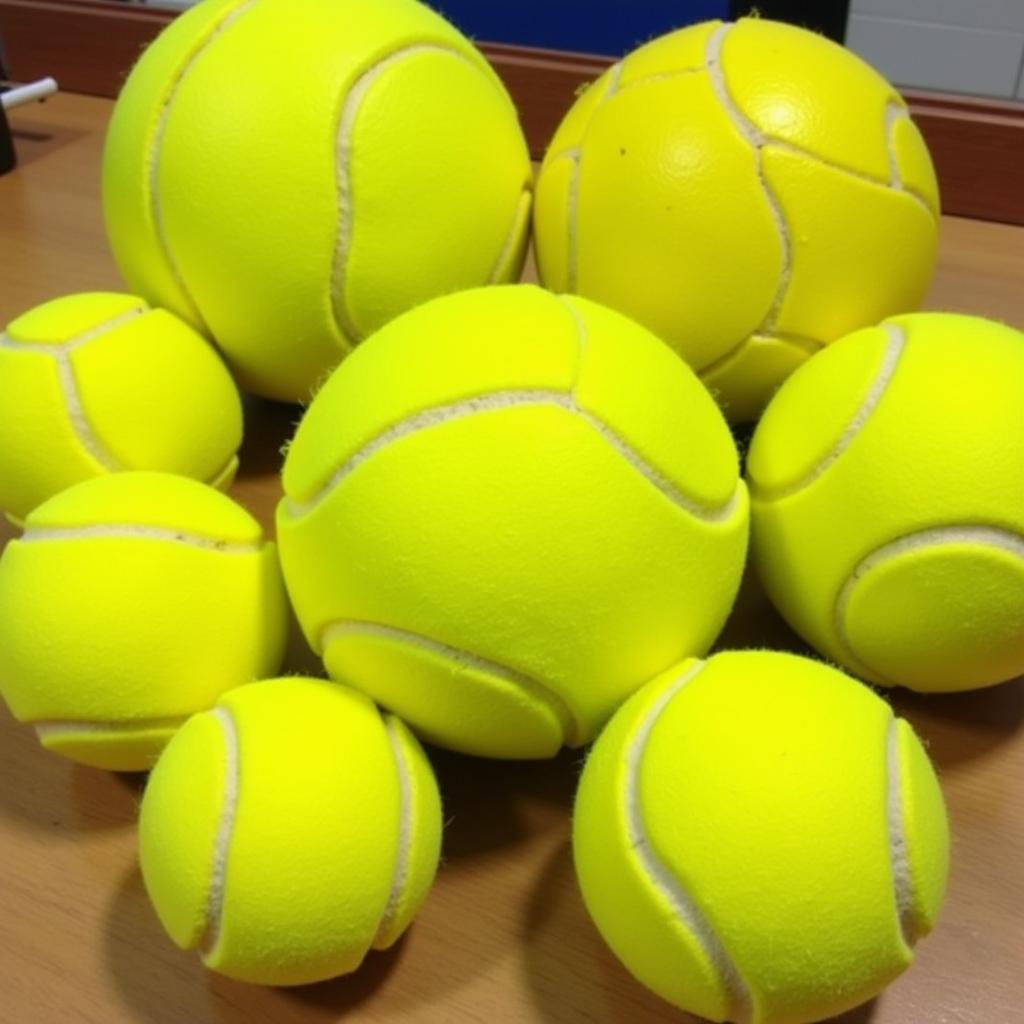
pixel 761 785
pixel 491 535
pixel 747 233
pixel 887 523
pixel 398 172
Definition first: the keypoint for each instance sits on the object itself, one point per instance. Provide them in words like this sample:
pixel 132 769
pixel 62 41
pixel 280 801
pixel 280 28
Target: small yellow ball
pixel 759 838
pixel 887 478
pixel 289 830
pixel 99 382
pixel 131 601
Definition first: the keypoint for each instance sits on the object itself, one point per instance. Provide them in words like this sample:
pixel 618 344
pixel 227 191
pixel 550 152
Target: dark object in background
pixel 582 26
pixel 616 27
pixel 7 159
pixel 826 16
pixel 13 94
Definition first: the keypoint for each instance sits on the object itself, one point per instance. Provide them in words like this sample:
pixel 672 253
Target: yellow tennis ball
pixel 888 476
pixel 131 601
pixel 507 512
pixel 288 831
pixel 98 382
pixel 759 839
pixel 290 209
pixel 747 191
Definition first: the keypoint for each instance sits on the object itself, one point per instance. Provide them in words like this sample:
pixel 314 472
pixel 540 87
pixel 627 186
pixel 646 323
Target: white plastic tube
pixel 28 93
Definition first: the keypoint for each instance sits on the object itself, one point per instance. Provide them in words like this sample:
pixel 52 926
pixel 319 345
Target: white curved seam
pixel 225 828
pixel 811 346
pixel 64 727
pixel 128 531
pixel 896 112
pixel 786 146
pixel 87 437
pixel 851 172
pixel 685 910
pixel 153 168
pixel 61 353
pixel 400 877
pixel 573 199
pixel 511 238
pixel 986 536
pixel 895 345
pixel 893 112
pixel 69 345
pixel 343 152
pixel 213 478
pixel 503 400
pixel 421 421
pixel 713 515
pixel 555 702
pixel 899 850
pixel 757 140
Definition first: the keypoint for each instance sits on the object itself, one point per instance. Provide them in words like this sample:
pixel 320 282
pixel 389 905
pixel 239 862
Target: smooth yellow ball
pixel 131 601
pixel 97 383
pixel 290 209
pixel 888 477
pixel 505 513
pixel 758 838
pixel 288 830
pixel 747 191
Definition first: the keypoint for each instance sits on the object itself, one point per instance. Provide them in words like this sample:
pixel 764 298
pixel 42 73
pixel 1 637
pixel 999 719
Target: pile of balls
pixel 513 518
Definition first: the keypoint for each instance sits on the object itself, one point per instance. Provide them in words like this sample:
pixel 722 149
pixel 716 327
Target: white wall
pixel 970 46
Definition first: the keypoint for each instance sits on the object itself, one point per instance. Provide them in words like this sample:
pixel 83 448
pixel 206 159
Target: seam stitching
pixel 507 399
pixel 757 140
pixel 349 112
pixel 895 111
pixel 575 153
pixel 684 908
pixel 554 701
pixel 985 536
pixel 899 848
pixel 810 346
pixel 91 334
pixel 630 454
pixel 156 147
pixel 111 531
pixel 520 216
pixel 87 437
pixel 218 874
pixel 405 831
pixel 895 346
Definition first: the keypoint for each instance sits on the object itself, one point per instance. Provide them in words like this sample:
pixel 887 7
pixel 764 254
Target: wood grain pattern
pixel 504 936
pixel 91 45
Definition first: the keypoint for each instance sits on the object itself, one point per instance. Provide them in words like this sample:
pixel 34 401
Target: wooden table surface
pixel 504 936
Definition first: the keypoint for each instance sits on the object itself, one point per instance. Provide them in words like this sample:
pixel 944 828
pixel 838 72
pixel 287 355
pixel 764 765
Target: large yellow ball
pixel 759 838
pixel 98 383
pixel 505 513
pixel 747 191
pixel 290 174
pixel 288 831
pixel 888 502
pixel 131 601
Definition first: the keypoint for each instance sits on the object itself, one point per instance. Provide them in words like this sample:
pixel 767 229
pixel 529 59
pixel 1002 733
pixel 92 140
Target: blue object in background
pixel 609 27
